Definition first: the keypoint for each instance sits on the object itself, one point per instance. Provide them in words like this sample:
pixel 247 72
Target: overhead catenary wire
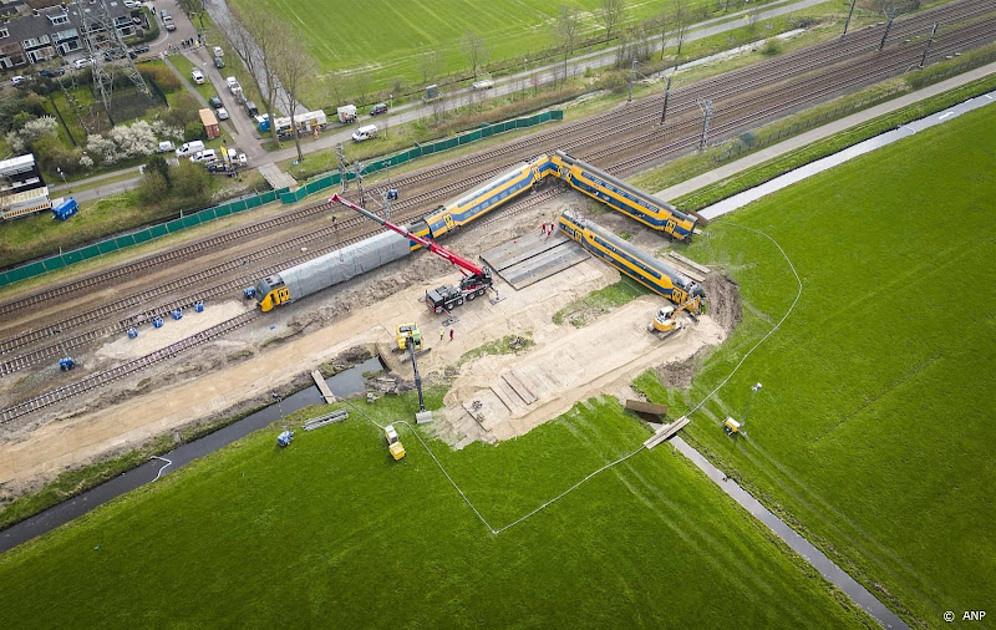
pixel 496 531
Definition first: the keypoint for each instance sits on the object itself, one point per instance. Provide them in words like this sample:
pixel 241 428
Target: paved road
pixel 834 574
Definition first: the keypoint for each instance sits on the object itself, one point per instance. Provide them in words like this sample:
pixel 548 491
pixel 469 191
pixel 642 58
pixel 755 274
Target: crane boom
pixel 467 266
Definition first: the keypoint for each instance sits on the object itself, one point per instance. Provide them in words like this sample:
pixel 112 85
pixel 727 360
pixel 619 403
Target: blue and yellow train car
pixel 622 197
pixel 474 204
pixel 630 260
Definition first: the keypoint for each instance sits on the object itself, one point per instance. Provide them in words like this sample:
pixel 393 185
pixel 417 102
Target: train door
pixel 448 220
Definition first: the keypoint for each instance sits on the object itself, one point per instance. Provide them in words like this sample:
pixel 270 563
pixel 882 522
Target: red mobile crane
pixel 475 282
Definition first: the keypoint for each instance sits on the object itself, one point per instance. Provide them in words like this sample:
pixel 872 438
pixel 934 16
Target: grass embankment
pixel 872 433
pixel 600 301
pixel 336 524
pixel 689 166
pixel 74 482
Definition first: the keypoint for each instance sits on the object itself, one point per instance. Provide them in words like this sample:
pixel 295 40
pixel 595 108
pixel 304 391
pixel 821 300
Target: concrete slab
pixel 527 260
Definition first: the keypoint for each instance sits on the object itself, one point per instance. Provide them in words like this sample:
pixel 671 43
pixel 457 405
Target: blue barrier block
pixel 132 333
pixel 157 322
pixel 199 306
pixel 176 313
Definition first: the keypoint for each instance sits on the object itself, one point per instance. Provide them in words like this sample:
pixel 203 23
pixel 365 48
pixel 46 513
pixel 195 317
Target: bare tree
pixel 429 64
pixel 296 68
pixel 567 28
pixel 679 19
pixel 663 23
pixel 612 13
pixel 476 49
pixel 258 40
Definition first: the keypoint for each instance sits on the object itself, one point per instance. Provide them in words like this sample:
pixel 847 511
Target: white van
pixel 364 133
pixel 483 84
pixel 208 156
pixel 197 76
pixel 189 148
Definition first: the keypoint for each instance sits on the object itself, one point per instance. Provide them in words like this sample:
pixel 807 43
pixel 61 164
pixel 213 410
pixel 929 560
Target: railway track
pixel 862 40
pixel 983 30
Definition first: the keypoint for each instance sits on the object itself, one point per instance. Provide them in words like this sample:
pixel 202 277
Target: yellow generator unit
pixel 731 426
pixel 394 445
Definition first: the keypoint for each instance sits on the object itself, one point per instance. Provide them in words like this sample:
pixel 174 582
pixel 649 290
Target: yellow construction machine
pixel 667 321
pixel 405 332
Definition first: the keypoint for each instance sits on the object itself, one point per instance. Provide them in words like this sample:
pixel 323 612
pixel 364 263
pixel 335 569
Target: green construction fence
pixel 107 246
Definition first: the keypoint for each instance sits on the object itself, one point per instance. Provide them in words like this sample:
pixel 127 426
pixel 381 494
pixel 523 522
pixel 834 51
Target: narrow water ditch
pixel 349 382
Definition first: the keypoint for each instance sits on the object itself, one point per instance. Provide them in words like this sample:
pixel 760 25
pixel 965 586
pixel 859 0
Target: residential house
pixel 36 31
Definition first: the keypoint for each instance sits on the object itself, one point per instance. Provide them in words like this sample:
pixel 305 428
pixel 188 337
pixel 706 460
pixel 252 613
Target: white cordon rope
pixel 625 457
pixel 164 466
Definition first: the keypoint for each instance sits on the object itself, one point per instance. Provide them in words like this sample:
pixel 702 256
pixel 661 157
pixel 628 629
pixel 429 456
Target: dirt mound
pixel 679 374
pixel 723 300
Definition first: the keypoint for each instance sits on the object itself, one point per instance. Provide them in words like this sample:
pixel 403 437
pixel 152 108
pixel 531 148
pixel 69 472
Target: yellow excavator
pixel 667 321
pixel 405 332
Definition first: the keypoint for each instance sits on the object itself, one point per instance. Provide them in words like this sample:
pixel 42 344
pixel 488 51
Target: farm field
pixel 382 39
pixel 873 430
pixel 330 531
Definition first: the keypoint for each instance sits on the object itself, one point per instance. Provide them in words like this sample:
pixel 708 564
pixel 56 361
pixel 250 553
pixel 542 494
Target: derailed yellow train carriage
pixel 630 260
pixel 623 198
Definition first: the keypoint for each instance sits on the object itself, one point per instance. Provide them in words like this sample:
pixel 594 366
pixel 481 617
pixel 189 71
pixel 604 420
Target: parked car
pixel 231 82
pixel 82 63
pixel 365 132
pixel 168 22
pixel 51 73
pixel 18 79
pixel 219 63
pixel 218 52
pixel 132 4
pixel 207 156
pixel 483 84
pixel 222 113
pixel 189 148
pixel 141 49
pixel 215 102
pixel 165 146
pixel 197 76
pixel 251 109
pixel 379 108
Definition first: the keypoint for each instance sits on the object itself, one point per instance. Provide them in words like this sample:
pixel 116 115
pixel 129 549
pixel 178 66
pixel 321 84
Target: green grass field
pixel 383 39
pixel 331 533
pixel 873 431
